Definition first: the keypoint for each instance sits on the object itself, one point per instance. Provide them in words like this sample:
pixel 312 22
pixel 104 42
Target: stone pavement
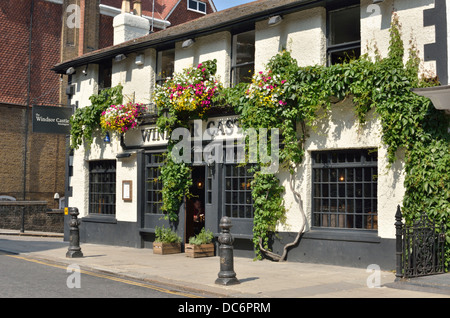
pixel 258 278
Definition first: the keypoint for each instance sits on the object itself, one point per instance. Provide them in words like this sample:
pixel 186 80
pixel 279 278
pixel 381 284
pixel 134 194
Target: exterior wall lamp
pixel 85 70
pixel 188 43
pixel 275 20
pixel 139 59
pixel 70 71
pixel 120 57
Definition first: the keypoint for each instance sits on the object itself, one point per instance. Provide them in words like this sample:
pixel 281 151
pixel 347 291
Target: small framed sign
pixel 127 193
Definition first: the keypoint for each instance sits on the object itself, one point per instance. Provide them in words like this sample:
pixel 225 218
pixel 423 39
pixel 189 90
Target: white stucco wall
pixel 216 46
pixel 126 169
pixel 85 85
pixel 303 33
pixel 375 24
pixel 340 130
pixel 137 80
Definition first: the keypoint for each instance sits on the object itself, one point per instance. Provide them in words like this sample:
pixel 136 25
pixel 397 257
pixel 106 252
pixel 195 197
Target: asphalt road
pixel 22 277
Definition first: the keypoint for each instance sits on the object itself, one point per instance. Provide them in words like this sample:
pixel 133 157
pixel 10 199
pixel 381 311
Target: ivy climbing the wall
pixel 291 98
pixel 294 95
pixel 86 120
pixel 186 96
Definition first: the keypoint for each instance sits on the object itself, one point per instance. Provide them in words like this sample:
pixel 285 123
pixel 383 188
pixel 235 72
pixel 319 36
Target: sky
pixel 225 4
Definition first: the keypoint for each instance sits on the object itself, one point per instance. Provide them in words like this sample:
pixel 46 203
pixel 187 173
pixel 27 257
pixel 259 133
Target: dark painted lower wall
pixel 322 247
pixel 108 232
pixel 343 249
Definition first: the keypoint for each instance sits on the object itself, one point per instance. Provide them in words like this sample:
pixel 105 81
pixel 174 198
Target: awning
pixel 439 95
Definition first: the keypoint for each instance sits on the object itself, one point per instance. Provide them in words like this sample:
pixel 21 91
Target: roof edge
pixel 147 41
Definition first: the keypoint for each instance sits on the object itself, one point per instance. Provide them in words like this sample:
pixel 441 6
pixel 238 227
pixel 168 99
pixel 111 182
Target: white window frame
pixel 197 3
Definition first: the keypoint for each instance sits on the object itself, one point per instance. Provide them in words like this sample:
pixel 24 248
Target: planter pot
pixel 166 248
pixel 203 250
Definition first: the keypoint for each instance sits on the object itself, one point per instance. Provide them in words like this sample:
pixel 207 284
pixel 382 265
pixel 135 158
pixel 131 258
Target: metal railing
pixel 419 247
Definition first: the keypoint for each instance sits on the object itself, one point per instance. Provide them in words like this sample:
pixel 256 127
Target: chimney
pixel 126 6
pixel 137 7
pixel 128 26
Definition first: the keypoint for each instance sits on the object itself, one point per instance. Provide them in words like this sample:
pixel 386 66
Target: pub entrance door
pixel 195 205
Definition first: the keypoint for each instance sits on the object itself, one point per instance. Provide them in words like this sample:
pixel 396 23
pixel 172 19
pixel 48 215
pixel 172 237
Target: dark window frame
pixel 104 75
pixel 234 65
pixel 153 195
pixel 159 78
pixel 102 186
pixel 344 192
pixel 237 192
pixel 344 47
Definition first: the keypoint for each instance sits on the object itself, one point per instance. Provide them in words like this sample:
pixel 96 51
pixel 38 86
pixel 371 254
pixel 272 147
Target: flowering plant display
pixel 266 89
pixel 121 118
pixel 186 96
pixel 190 91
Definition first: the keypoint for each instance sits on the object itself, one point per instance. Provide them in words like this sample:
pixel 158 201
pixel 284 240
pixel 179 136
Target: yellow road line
pixel 117 279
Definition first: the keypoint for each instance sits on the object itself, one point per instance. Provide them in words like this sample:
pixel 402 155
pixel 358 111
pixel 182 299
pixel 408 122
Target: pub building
pixel 114 183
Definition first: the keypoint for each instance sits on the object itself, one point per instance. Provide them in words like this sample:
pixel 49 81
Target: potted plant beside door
pixel 166 241
pixel 200 245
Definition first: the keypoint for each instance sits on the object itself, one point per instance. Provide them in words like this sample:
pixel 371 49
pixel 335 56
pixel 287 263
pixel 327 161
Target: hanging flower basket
pixel 189 92
pixel 121 118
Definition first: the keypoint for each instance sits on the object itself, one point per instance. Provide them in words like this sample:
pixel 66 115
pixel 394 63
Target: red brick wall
pixel 182 14
pixel 14 38
pixel 106 31
pixel 46 153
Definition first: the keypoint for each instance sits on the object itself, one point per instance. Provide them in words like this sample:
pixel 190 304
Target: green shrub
pixel 204 237
pixel 163 235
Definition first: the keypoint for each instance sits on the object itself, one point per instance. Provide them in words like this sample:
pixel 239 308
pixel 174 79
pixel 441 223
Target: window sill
pixel 197 11
pixel 100 219
pixel 368 236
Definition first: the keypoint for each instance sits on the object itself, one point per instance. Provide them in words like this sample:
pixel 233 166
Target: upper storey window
pixel 165 65
pixel 243 61
pixel 344 37
pixel 197 6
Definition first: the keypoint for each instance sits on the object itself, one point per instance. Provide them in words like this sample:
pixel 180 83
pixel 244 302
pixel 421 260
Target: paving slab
pixel 265 278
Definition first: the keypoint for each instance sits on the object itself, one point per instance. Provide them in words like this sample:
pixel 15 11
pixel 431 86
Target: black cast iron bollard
pixel 74 240
pixel 398 243
pixel 227 276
